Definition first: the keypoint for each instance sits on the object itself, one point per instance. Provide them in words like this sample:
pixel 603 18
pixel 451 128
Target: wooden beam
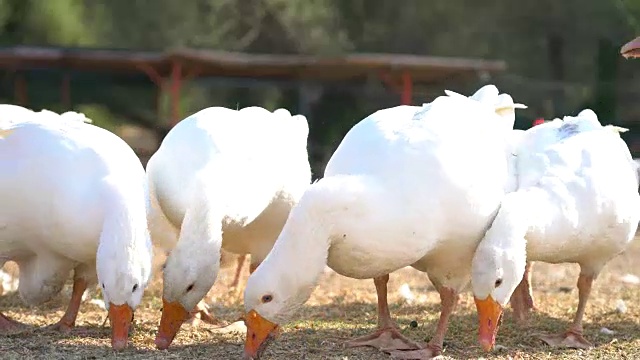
pixel 153 75
pixel 407 89
pixel 404 87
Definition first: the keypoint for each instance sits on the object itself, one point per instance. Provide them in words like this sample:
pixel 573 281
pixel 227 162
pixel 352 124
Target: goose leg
pixel 387 337
pixel 517 305
pixel 68 320
pixel 240 266
pixel 448 300
pixel 205 315
pixel 522 299
pixel 573 338
pixel 201 313
pixel 235 284
pixel 9 326
pixel 527 288
pixel 238 325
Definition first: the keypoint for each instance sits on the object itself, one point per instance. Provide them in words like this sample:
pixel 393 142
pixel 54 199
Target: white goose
pixel 408 186
pixel 73 199
pixel 522 300
pixel 223 179
pixel 577 201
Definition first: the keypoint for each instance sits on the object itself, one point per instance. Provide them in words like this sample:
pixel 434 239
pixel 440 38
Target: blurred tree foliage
pixel 562 55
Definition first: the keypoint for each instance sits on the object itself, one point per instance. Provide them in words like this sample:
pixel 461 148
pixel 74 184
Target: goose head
pixel 125 254
pixel 496 273
pixel 123 274
pixel 498 264
pixel 284 281
pixel 274 294
pixel 268 305
pixel 188 276
pixel 190 271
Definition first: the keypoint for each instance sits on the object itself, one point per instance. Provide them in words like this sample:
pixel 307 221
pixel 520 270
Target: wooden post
pixel 160 83
pixel 407 89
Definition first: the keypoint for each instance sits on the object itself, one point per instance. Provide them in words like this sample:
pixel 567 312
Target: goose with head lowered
pixel 74 200
pixel 577 201
pixel 522 299
pixel 407 186
pixel 222 179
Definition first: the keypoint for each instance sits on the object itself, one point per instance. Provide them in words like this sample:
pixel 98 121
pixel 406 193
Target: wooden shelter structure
pixel 169 70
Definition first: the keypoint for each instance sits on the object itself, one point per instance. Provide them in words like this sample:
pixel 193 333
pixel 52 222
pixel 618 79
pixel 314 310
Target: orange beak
pixel 120 317
pixel 173 315
pixel 631 49
pixel 489 314
pixel 259 331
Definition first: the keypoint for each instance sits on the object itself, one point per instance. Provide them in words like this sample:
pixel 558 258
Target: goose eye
pixel 190 287
pixel 266 298
pixel 498 282
pixel 135 287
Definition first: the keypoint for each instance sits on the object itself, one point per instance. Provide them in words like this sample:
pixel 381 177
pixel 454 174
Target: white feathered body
pixel 583 188
pixel 421 190
pixel 61 183
pixel 253 163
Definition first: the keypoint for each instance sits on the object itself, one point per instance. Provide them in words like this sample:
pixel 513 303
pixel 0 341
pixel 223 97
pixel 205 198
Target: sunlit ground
pixel 342 308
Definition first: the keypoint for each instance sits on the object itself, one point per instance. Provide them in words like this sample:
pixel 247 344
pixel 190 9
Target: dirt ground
pixel 341 308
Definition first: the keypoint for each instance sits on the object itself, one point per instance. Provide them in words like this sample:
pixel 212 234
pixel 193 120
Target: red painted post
pixel 160 83
pixel 407 89
pixel 151 73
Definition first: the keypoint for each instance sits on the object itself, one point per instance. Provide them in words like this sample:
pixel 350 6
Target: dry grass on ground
pixel 341 308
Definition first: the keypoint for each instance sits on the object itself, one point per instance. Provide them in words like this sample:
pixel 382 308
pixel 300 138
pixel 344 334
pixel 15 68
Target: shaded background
pixel 560 56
